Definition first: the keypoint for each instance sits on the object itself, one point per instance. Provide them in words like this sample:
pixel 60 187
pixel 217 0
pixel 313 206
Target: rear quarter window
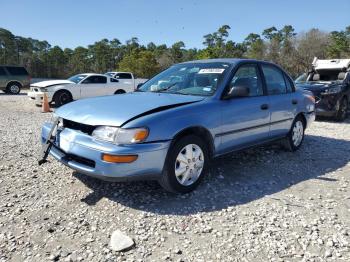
pixel 2 71
pixel 123 76
pixel 17 71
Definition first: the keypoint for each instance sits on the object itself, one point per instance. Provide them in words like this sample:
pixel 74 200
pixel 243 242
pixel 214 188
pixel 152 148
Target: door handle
pixel 294 101
pixel 264 106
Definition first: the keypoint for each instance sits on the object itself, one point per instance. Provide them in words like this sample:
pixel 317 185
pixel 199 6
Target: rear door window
pixel 274 79
pixel 17 71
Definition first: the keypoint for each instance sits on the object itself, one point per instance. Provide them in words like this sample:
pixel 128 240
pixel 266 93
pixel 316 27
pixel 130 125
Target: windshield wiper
pixel 166 88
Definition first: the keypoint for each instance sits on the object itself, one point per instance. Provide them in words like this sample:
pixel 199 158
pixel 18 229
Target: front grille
pixel 87 129
pixel 81 160
pixel 78 159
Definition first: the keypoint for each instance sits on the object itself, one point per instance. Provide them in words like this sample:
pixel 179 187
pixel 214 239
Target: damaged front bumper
pixel 38 96
pixel 327 105
pixel 83 153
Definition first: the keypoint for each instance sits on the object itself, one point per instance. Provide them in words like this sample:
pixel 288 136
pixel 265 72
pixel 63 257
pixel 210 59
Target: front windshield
pixel 109 74
pixel 77 78
pixel 200 79
pixel 301 79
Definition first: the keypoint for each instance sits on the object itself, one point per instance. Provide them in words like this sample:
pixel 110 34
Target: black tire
pixel 169 181
pixel 119 92
pixel 342 110
pixel 291 144
pixel 62 97
pixel 13 88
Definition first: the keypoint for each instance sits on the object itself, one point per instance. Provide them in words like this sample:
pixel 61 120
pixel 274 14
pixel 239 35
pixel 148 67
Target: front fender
pixel 165 125
pixel 74 89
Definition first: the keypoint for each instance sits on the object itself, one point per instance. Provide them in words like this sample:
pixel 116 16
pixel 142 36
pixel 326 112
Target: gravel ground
pixel 262 204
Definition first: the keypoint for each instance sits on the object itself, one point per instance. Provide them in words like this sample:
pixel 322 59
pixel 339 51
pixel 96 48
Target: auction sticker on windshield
pixel 211 71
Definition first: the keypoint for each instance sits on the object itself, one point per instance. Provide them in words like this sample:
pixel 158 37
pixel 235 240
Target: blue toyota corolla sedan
pixel 170 128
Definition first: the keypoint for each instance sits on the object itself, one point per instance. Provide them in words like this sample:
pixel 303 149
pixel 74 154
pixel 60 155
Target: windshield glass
pixel 77 78
pixel 109 74
pixel 200 79
pixel 301 79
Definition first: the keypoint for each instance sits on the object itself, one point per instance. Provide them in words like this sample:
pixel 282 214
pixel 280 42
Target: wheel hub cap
pixel 298 132
pixel 14 89
pixel 189 164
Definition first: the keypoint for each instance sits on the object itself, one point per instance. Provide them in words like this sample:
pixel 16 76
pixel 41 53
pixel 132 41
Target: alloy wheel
pixel 14 89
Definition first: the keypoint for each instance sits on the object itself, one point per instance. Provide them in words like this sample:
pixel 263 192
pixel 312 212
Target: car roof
pixel 11 66
pixel 225 60
pixel 92 74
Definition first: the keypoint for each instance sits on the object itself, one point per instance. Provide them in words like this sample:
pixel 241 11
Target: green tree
pixel 142 64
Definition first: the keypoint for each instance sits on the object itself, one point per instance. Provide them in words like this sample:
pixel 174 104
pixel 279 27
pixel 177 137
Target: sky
pixel 72 23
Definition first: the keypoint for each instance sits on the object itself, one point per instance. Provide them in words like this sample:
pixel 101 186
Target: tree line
pixel 293 51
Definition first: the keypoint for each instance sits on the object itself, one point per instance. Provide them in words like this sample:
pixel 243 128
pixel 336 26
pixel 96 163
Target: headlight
pixel 333 90
pixel 120 135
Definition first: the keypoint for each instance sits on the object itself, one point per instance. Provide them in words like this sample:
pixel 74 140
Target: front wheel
pixel 185 165
pixel 62 97
pixel 296 135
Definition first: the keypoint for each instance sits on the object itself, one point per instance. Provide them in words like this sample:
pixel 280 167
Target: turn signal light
pixel 119 158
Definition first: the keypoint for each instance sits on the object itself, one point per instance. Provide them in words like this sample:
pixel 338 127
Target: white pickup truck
pixel 77 87
pixel 127 78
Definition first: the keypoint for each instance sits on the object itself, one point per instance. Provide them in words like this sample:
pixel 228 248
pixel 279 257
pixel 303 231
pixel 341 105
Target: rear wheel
pixel 120 91
pixel 342 110
pixel 185 166
pixel 62 97
pixel 13 88
pixel 296 135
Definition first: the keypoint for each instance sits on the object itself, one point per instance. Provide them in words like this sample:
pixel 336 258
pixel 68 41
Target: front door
pixel 92 86
pixel 245 119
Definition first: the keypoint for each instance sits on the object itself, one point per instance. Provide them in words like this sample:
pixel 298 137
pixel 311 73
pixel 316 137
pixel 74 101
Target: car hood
pixel 118 109
pixel 49 83
pixel 317 86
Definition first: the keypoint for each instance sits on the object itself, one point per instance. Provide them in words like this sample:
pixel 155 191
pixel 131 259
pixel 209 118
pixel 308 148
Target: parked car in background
pixel 329 81
pixel 13 79
pixel 61 92
pixel 177 121
pixel 127 78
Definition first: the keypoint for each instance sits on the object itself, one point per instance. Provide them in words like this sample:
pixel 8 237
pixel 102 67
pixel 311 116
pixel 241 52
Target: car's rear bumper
pixel 82 153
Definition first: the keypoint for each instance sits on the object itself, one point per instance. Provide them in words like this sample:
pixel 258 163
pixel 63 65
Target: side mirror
pixel 237 91
pixel 139 85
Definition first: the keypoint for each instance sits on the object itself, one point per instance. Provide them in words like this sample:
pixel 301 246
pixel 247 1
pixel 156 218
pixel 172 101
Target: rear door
pixel 94 85
pixel 126 80
pixel 245 120
pixel 281 102
pixel 3 78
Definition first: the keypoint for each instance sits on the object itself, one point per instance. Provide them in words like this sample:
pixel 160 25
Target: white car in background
pixel 77 87
pixel 127 78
